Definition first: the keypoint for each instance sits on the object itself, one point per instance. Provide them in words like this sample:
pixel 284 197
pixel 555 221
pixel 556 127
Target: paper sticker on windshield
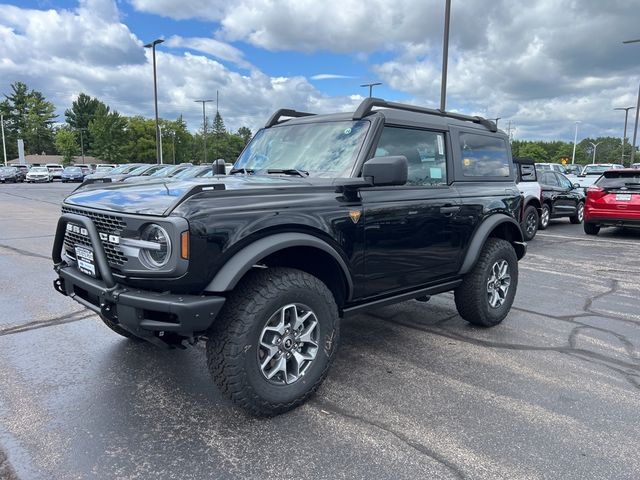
pixel 440 145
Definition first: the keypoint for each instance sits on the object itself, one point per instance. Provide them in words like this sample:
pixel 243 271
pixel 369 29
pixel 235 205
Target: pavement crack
pixel 72 317
pixel 26 253
pixel 424 450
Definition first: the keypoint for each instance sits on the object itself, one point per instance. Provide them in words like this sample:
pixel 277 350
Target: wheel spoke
pixel 306 335
pixel 271 352
pixel 281 366
pixel 299 320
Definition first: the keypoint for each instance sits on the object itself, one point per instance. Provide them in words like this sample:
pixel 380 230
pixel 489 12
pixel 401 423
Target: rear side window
pixel 619 179
pixel 548 178
pixel 527 173
pixel 484 156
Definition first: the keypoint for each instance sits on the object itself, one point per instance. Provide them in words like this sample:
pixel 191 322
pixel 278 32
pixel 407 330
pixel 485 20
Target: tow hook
pixel 107 310
pixel 58 284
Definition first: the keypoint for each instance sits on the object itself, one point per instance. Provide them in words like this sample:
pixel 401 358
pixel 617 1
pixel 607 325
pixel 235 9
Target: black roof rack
pixel 369 103
pixel 285 112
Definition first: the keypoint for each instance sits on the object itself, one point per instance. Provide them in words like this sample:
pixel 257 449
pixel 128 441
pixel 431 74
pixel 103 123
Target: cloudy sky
pixel 541 64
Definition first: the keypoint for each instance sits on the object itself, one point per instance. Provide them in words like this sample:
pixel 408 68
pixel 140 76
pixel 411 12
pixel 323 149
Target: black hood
pixel 161 196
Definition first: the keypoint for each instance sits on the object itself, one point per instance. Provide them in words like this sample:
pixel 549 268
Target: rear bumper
pixel 610 217
pixel 143 313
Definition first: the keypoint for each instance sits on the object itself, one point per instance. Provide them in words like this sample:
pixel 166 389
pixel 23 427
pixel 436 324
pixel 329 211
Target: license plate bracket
pixel 85 260
pixel 623 197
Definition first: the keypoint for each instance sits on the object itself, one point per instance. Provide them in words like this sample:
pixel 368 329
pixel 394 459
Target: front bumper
pixel 144 313
pixel 38 179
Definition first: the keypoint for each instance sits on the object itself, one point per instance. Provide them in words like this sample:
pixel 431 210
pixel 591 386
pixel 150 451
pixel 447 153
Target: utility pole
pixel 82 144
pixel 575 140
pixel 4 145
pixel 204 125
pixel 445 56
pixel 595 146
pixel 174 147
pixel 152 46
pixel 624 135
pixel 371 85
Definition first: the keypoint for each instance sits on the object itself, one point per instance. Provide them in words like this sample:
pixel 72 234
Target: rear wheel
pixel 486 294
pixel 591 228
pixel 579 216
pixel 274 341
pixel 530 222
pixel 545 216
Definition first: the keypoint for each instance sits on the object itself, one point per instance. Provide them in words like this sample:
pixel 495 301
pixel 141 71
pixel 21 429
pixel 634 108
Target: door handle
pixel 449 210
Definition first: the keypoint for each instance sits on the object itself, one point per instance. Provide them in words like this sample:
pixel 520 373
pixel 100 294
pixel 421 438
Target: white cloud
pixel 210 46
pixel 330 76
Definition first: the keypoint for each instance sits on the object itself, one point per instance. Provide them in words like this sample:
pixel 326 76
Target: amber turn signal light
pixel 184 245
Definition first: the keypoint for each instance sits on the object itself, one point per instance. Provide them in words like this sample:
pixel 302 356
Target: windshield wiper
pixel 245 171
pixel 632 184
pixel 289 171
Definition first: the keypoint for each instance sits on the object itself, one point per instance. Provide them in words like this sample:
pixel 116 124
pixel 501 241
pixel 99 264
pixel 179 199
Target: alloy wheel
pixel 498 283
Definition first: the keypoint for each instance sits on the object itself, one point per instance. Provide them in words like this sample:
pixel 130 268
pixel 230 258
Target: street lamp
pixel 82 143
pixel 4 145
pixel 635 128
pixel 371 85
pixel 204 126
pixel 624 135
pixel 152 46
pixel 594 145
pixel 575 140
pixel 445 55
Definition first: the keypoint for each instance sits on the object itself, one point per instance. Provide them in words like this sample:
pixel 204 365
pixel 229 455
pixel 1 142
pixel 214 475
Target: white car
pixel 39 174
pixel 56 170
pixel 591 173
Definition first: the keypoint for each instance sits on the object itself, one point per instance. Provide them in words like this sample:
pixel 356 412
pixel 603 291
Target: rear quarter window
pixel 484 156
pixel 528 173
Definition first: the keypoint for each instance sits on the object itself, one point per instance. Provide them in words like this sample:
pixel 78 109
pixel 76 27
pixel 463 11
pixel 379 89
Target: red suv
pixel 613 201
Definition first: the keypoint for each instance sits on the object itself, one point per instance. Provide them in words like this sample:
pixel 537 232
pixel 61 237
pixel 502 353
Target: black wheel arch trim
pixel 532 200
pixel 484 231
pixel 242 261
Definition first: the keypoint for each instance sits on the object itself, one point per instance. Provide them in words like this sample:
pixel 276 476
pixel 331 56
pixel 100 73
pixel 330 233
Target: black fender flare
pixel 483 232
pixel 242 261
pixel 533 200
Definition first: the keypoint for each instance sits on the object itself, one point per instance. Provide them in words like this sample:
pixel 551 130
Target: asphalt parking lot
pixel 553 392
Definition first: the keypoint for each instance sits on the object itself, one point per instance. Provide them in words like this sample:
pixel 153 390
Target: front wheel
pixel 530 222
pixel 274 341
pixel 486 294
pixel 579 216
pixel 545 216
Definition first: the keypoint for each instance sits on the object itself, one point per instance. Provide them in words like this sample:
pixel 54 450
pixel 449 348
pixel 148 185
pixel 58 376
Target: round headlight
pixel 156 257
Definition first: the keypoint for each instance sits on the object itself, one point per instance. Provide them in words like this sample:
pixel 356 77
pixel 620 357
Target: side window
pixel 527 173
pixel 424 150
pixel 564 181
pixel 548 178
pixel 484 156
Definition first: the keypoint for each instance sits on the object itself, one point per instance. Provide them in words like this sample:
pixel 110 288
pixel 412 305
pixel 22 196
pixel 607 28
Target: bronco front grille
pixel 107 224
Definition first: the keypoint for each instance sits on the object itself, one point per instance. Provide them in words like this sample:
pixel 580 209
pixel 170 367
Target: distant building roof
pixel 43 159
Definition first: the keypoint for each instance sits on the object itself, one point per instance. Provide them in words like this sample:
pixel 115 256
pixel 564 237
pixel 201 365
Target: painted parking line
pixel 588 239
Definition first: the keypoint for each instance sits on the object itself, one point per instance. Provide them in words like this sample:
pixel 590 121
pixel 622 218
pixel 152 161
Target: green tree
pixel 140 143
pixel 109 136
pixel 245 134
pixel 28 115
pixel 82 111
pixel 218 125
pixel 533 150
pixel 66 144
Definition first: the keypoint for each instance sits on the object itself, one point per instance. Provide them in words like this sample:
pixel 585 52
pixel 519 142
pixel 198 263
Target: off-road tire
pixel 119 330
pixel 232 346
pixel 530 222
pixel 543 224
pixel 578 217
pixel 591 228
pixel 471 296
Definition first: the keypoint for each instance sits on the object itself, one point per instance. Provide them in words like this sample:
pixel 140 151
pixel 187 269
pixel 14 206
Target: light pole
pixel 594 145
pixel 82 143
pixel 4 145
pixel 204 126
pixel 371 85
pixel 624 135
pixel 635 128
pixel 160 129
pixel 575 140
pixel 152 46
pixel 445 56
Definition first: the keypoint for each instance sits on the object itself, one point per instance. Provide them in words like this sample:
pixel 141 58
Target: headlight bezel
pixel 147 254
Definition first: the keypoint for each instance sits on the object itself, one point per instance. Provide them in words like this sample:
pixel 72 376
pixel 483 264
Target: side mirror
pixel 576 185
pixel 218 167
pixel 382 171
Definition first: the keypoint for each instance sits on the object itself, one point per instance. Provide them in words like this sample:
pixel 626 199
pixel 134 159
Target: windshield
pixel 595 169
pixel 39 170
pixel 137 171
pixel 7 169
pixel 105 169
pixel 619 179
pixel 321 149
pixel 193 172
pixel 72 170
pixel 163 172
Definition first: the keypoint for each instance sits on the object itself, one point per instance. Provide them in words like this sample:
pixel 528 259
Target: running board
pixel 441 288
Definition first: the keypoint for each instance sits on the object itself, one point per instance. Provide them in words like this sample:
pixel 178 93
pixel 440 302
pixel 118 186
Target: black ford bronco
pixel 322 217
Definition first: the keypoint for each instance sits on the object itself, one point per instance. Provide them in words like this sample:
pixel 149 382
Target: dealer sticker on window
pixel 84 257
